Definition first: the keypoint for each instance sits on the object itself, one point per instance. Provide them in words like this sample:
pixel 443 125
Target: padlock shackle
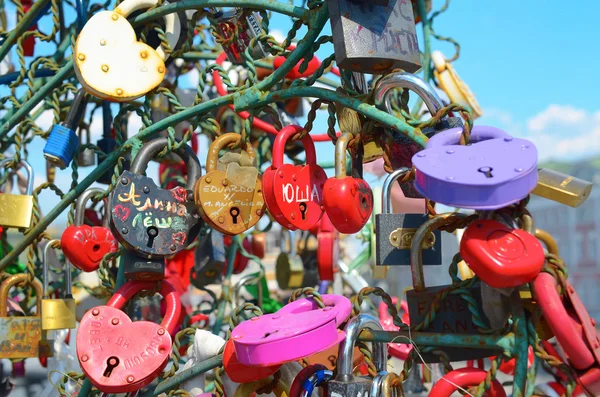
pixel 478 133
pixel 416 253
pixel 153 147
pixel 281 139
pixel 13 280
pixel 77 110
pixel 376 384
pixel 386 383
pixel 28 169
pixel 68 291
pixel 248 279
pixel 230 138
pixel 388 183
pixel 346 349
pixel 81 202
pixel 410 81
pixel 340 154
pixel 287 235
pixel 547 239
pixel 168 292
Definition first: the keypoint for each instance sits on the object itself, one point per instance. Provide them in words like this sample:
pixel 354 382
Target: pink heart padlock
pixel 398 350
pixel 297 330
pixel 118 355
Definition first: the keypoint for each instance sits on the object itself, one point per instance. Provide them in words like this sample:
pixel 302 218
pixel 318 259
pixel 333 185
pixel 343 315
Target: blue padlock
pixel 63 141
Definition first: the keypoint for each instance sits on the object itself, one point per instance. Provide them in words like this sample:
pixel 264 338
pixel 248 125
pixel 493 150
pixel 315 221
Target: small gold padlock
pixel 562 188
pixel 16 209
pixel 57 313
pixel 289 269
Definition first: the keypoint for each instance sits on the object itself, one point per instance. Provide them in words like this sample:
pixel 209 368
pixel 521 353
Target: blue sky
pixel 530 64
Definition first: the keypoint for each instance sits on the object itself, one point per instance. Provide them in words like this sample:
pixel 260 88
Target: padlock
pixel 142 269
pixel 118 355
pixel 151 221
pixel 297 330
pixel 462 379
pixel 562 188
pixel 259 244
pixel 62 142
pixel 374 39
pixel 348 201
pixel 344 383
pixel 20 337
pixel 109 61
pixel 57 313
pixel 454 315
pixel 240 373
pixel 299 385
pixel 398 350
pixel 210 260
pixel 500 256
pixel 395 232
pixel 29 41
pixel 289 269
pixel 328 249
pixel 495 170
pixel 230 201
pixel 294 193
pixel 453 86
pixel 85 246
pixel 247 389
pixel 17 209
pixel 403 149
pixel 295 73
pixel 391 385
pixel 328 358
pixel 237 28
pixel 87 157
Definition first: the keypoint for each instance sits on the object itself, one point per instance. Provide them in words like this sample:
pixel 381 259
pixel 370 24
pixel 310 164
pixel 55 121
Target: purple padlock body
pixel 455 175
pixel 297 330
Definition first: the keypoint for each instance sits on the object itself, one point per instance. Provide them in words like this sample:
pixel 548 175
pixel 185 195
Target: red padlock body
pixel 327 252
pixel 508 365
pixel 85 246
pixel 29 42
pixel 295 74
pixel 294 193
pixel 180 266
pixel 133 354
pixel 241 373
pixel 258 245
pixel 500 256
pixel 241 262
pixel 348 202
pixel 465 378
pixel 92 217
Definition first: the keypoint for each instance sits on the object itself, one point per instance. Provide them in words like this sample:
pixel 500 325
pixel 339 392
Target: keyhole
pixel 267 334
pixel 234 212
pixel 303 210
pixel 111 364
pixel 487 171
pixel 152 233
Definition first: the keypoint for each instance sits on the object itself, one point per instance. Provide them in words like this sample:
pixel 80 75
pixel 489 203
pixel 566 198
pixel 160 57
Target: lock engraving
pixel 402 238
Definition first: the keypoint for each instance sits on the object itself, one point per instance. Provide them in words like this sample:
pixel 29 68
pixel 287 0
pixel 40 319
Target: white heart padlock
pixel 109 61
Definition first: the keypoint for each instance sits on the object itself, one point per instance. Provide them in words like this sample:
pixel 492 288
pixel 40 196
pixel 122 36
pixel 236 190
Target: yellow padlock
pixel 16 209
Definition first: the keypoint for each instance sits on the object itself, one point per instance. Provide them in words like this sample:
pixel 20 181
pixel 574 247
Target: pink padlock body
pixel 397 350
pixel 297 330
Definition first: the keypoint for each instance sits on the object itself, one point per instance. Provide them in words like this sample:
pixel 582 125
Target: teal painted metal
pixel 22 26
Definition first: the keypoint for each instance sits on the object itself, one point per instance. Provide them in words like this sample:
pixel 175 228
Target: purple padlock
pixel 297 330
pixel 492 172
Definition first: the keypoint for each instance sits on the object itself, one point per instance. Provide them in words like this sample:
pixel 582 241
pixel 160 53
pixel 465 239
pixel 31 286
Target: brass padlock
pixel 562 188
pixel 57 313
pixel 289 269
pixel 16 209
pixel 20 337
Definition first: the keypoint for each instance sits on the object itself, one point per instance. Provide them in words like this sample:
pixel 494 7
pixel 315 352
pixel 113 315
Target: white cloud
pixel 555 114
pixel 277 35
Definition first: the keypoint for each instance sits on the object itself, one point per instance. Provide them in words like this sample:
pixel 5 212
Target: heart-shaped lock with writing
pixel 84 245
pixel 155 222
pixel 494 171
pixel 500 256
pixel 297 330
pixel 109 61
pixel 230 201
pixel 118 355
pixel 294 193
pixel 348 201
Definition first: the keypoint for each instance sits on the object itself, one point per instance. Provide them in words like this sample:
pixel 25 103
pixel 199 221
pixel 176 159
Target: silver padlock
pixel 374 39
pixel 403 149
pixel 345 384
pixel 87 157
pixel 395 232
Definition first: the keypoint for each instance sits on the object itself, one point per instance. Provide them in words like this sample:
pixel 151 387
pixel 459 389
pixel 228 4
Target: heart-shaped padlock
pixel 118 355
pixel 297 330
pixel 109 61
pixel 230 201
pixel 500 256
pixel 294 193
pixel 493 171
pixel 348 201
pixel 83 245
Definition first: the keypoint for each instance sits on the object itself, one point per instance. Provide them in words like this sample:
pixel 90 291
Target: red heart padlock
pixel 348 201
pixel 500 256
pixel 85 246
pixel 294 193
pixel 295 74
pixel 242 373
pixel 327 249
pixel 462 379
pixel 241 262
pixel 118 355
pixel 181 265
